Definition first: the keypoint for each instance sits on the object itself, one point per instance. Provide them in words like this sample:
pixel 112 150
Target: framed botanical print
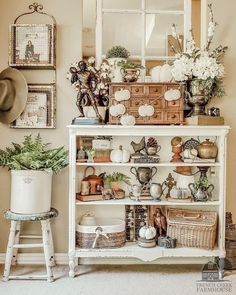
pixel 40 110
pixel 32 46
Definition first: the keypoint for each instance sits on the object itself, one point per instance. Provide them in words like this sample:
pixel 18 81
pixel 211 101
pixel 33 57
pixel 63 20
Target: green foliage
pixel 33 154
pixel 117 51
pixel 130 65
pixel 116 177
pixel 202 183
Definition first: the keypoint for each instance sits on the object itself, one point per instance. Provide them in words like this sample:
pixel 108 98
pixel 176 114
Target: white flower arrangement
pixel 195 63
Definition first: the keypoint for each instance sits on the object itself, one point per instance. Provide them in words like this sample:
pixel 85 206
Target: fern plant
pixel 116 177
pixel 33 154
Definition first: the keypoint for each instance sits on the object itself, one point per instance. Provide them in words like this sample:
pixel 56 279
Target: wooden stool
pixel 14 242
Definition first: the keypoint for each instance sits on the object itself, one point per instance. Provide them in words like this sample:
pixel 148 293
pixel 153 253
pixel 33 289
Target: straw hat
pixel 13 95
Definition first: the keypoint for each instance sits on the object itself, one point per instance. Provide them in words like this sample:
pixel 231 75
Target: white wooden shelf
pixel 161 164
pixel 128 201
pixel 124 134
pixel 132 250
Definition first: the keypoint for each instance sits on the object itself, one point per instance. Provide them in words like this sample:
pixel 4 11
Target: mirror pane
pixel 124 30
pixel 164 5
pixel 122 4
pixel 158 33
pixel 89 24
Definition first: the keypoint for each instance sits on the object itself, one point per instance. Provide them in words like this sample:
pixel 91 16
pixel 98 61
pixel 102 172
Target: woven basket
pixel 192 228
pixel 230 244
pixel 107 233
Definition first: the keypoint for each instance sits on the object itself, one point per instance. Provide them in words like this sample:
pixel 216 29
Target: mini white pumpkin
pixel 123 94
pixel 172 94
pixel 117 110
pixel 155 74
pixel 120 155
pixel 146 110
pixel 165 74
pixel 147 232
pixel 127 120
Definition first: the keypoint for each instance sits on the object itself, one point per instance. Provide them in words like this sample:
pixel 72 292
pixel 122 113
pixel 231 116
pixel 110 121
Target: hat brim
pixel 20 96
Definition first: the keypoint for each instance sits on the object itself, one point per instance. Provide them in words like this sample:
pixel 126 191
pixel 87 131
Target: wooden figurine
pixel 177 148
pixel 159 222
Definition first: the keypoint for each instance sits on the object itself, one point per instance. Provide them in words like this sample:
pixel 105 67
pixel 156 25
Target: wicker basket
pixel 108 233
pixel 230 254
pixel 192 228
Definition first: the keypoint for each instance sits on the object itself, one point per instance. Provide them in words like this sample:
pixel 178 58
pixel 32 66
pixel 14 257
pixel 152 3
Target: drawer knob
pixel 173 116
pixel 136 89
pixel 173 103
pixel 136 103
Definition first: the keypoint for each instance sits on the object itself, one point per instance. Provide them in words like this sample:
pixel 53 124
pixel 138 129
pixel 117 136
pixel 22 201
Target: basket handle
pixel 191 217
pixel 99 232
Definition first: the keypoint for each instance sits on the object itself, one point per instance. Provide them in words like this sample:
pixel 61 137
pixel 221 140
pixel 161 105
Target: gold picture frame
pixel 32 46
pixel 40 110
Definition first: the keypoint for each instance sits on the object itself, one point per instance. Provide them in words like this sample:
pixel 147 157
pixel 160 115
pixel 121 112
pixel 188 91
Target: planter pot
pixel 30 191
pixel 115 69
pixel 130 75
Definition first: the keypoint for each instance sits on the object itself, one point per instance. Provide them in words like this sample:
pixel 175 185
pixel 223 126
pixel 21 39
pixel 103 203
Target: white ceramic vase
pixel 30 191
pixel 115 69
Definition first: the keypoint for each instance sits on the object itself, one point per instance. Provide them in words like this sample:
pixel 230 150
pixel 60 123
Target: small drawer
pixel 174 86
pixel 174 104
pixel 114 88
pixel 138 118
pixel 173 117
pixel 137 102
pixel 157 103
pixel 155 90
pixel 137 90
pixel 158 117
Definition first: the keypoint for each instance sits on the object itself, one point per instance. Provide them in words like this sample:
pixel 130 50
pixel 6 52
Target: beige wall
pixel 224 12
pixel 68 15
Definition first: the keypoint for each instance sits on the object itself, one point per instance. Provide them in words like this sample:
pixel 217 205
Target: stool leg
pixel 45 233
pixel 10 249
pixel 17 239
pixel 51 246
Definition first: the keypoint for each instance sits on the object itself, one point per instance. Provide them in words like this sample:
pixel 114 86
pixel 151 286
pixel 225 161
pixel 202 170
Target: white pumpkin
pixel 147 232
pixel 127 120
pixel 117 110
pixel 123 94
pixel 155 74
pixel 172 94
pixel 165 74
pixel 146 110
pixel 120 155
